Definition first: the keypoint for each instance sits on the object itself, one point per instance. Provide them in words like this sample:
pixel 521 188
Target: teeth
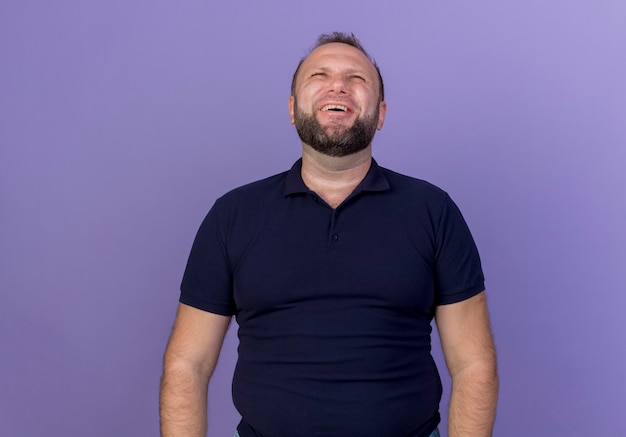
pixel 335 107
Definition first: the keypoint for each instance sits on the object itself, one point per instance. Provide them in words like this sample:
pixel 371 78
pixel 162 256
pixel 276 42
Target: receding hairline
pixel 339 38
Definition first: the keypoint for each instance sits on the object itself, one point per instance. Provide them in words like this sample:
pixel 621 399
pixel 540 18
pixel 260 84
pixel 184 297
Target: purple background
pixel 122 121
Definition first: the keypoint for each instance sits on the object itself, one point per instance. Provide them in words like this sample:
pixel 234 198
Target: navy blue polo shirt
pixel 333 305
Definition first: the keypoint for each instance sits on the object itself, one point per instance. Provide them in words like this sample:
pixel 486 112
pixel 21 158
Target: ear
pixel 382 111
pixel 291 109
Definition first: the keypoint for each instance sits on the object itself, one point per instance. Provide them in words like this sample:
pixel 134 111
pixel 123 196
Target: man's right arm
pixel 189 361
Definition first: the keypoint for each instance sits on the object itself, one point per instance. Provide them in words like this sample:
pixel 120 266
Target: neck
pixel 334 178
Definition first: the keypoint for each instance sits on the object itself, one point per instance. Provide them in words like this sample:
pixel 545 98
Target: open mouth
pixel 335 108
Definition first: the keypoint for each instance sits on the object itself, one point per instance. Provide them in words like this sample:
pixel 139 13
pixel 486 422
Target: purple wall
pixel 121 122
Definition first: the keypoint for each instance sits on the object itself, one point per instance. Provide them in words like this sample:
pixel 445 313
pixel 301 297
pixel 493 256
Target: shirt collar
pixel 374 180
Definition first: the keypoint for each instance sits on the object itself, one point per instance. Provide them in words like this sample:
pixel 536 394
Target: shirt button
pixel 335 237
pixel 315 198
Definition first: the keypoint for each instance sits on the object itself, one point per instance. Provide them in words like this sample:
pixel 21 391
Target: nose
pixel 338 84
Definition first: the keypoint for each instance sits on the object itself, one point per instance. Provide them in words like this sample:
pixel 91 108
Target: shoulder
pixel 244 206
pixel 411 186
pixel 257 192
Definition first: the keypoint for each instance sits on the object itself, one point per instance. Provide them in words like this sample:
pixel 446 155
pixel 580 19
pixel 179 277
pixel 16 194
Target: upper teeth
pixel 340 107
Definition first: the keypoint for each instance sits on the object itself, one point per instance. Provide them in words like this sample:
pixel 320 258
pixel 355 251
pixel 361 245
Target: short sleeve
pixel 458 271
pixel 207 282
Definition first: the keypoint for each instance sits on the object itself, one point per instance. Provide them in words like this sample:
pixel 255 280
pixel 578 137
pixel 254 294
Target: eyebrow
pixel 359 71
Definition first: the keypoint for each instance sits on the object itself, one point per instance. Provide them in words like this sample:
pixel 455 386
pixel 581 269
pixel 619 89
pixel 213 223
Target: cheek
pixel 311 93
pixel 307 104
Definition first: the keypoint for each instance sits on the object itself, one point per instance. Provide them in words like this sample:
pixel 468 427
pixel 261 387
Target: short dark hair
pixel 344 38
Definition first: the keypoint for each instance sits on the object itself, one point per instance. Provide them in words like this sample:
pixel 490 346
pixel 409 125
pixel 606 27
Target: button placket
pixel 333 235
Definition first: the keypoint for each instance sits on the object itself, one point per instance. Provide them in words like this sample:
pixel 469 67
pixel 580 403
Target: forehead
pixel 338 56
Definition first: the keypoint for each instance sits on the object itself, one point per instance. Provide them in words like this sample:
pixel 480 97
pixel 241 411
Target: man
pixel 334 271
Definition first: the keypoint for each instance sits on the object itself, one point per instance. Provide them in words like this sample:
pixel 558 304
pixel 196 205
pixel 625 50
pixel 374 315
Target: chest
pixel 316 254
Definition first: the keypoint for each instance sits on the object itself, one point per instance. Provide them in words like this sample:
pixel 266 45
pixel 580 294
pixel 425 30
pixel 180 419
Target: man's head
pixel 337 96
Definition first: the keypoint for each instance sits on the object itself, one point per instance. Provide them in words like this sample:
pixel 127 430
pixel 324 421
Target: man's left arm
pixel 467 344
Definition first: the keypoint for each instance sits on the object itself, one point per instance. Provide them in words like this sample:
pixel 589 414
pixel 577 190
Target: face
pixel 336 105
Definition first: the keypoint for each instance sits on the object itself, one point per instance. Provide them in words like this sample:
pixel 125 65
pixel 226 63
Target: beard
pixel 335 140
